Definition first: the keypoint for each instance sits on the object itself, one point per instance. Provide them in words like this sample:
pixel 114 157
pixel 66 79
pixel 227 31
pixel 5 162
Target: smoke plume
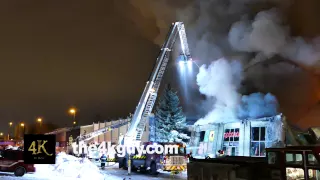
pixel 257 105
pixel 267 35
pixel 220 81
pixel 254 33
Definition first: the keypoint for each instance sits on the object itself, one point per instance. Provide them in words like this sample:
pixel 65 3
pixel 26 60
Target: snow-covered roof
pixel 264 118
pixel 247 119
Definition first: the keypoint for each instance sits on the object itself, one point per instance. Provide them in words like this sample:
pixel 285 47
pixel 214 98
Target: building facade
pixel 240 138
pixel 65 136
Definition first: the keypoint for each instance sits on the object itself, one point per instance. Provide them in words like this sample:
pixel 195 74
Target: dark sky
pixel 58 54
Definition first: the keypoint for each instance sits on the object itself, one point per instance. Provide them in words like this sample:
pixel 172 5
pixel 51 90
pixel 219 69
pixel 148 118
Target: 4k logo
pixel 34 150
pixel 39 149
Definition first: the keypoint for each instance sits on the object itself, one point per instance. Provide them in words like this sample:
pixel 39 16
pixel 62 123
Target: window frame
pixel 307 159
pixel 301 165
pixel 312 169
pixel 235 147
pixel 259 141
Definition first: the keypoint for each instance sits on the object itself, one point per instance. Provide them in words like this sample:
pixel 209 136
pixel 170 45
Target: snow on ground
pixel 69 167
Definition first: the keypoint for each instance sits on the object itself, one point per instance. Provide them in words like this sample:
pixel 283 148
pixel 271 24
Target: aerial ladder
pixel 149 96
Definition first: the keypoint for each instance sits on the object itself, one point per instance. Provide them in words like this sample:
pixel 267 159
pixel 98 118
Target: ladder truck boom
pixel 148 98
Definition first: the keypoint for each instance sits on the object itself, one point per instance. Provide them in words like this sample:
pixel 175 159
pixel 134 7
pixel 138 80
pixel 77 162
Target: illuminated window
pixel 314 174
pixel 294 173
pixel 294 159
pixel 258 140
pixel 231 142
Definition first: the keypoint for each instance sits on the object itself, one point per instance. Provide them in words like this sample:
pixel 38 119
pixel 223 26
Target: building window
pixel 294 159
pixel 273 158
pixel 202 134
pixel 312 159
pixel 314 174
pixel 258 140
pixel 294 173
pixel 231 142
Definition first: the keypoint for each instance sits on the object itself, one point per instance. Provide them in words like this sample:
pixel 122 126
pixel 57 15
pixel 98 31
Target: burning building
pixel 248 137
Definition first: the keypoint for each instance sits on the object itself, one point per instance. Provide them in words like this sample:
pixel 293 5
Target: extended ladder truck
pixel 145 106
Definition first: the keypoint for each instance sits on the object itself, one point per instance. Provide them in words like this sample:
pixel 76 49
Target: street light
pixel 73 112
pixel 10 124
pixel 40 123
pixel 23 126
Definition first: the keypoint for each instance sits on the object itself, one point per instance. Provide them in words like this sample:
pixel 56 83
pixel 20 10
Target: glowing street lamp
pixel 1 134
pixel 10 125
pixel 40 123
pixel 23 126
pixel 73 112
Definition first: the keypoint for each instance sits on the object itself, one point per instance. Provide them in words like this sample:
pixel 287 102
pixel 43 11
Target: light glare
pixel 181 63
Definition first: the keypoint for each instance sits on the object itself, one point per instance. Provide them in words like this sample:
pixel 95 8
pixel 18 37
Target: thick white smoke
pixel 267 35
pixel 220 81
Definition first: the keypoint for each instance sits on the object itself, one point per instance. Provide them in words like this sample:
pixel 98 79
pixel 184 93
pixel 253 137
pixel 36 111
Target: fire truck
pixel 147 101
pixel 175 162
pixel 172 161
pixel 288 163
pixel 12 161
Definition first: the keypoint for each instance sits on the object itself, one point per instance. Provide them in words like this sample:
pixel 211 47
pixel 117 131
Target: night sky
pixel 87 54
pixel 58 54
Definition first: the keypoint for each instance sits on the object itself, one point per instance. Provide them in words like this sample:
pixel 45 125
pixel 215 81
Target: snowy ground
pixel 111 172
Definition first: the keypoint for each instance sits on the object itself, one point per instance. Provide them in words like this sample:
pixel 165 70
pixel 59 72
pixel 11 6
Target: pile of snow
pixel 69 167
pixel 12 147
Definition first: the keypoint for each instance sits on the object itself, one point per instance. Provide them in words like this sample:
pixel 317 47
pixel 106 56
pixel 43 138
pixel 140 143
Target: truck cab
pixel 12 161
pixel 295 162
pixel 142 162
pixel 287 163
